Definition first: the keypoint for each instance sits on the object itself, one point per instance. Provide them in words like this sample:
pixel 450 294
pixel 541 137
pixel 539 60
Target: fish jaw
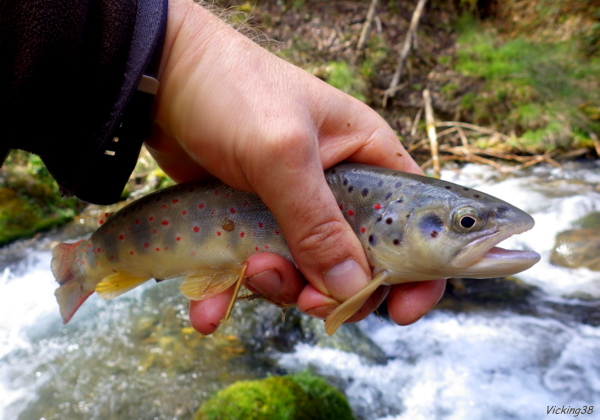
pixel 481 258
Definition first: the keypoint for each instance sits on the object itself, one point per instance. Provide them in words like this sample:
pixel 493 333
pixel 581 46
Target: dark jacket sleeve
pixel 69 77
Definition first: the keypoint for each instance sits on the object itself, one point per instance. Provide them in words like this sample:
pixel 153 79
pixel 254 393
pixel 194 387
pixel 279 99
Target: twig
pixel 430 123
pixel 471 127
pixel 413 129
pixel 362 40
pixel 414 22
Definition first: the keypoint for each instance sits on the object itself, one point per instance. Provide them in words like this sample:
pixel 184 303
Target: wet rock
pixel 264 328
pixel 496 293
pixel 577 248
pixel 300 396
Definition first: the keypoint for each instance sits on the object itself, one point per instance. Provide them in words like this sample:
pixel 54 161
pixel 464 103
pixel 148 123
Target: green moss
pixel 544 90
pixel 345 78
pixel 294 397
pixel 30 201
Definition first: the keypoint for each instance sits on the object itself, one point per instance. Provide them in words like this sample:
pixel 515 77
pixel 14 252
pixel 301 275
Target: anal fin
pixel 208 282
pixel 350 306
pixel 117 284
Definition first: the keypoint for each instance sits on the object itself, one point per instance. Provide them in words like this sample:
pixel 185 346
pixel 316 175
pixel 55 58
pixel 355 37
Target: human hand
pixel 229 108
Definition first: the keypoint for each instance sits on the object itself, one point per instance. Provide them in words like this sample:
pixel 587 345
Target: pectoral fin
pixel 117 284
pixel 207 282
pixel 349 307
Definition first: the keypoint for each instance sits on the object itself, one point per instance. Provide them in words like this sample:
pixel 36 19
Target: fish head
pixel 448 231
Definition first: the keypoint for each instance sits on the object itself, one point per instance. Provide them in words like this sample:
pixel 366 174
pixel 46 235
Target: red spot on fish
pixel 266 247
pixel 242 234
pixel 154 231
pixel 164 206
pixel 245 204
pixel 256 248
pixel 131 252
pixel 100 222
pixel 82 262
pixel 341 207
pixel 196 229
pixel 99 249
pixel 137 221
pixel 363 230
pixel 350 212
pixel 164 222
pixel 277 232
pixel 89 245
pixel 175 201
pixel 151 218
pixel 184 212
pixel 178 238
pixel 218 233
pixel 232 210
pixel 96 263
pixel 377 206
pixel 166 248
pixel 121 237
pixel 146 245
pixel 216 192
pixel 157 249
pixel 112 257
pixel 213 212
pixel 200 206
pixel 261 225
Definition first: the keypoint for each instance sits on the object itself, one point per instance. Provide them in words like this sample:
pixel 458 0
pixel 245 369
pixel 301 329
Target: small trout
pixel 412 228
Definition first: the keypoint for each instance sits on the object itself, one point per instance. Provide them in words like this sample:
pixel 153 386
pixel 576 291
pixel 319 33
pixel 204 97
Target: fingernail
pixel 345 279
pixel 267 283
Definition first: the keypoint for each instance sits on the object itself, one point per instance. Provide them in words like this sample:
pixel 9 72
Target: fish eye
pixel 466 219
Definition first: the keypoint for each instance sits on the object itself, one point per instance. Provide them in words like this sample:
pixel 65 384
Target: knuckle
pixel 323 244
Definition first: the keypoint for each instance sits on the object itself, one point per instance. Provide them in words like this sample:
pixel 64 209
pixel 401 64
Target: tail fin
pixel 72 291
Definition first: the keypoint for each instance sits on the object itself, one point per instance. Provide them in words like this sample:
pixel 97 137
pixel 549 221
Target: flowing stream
pixel 521 356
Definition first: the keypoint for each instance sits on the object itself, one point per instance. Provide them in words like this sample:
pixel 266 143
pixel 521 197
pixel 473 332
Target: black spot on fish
pixel 400 200
pixel 345 181
pixel 380 184
pixel 350 188
pixel 389 220
pixel 365 192
pixel 378 219
pixel 396 242
pixel 388 196
pixel 398 184
pixel 465 189
pixel 373 239
pixel 434 234
pixel 448 187
pixel 476 196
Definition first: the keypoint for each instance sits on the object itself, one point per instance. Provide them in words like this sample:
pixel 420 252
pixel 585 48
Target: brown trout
pixel 412 228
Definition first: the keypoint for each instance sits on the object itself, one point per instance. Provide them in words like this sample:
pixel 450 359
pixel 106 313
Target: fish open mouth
pixel 482 258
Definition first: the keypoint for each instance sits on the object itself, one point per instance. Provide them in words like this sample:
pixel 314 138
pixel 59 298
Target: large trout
pixel 412 228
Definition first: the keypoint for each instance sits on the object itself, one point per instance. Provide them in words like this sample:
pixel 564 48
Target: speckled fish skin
pixel 405 222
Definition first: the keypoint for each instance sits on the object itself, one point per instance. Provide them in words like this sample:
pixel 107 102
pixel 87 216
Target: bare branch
pixel 408 41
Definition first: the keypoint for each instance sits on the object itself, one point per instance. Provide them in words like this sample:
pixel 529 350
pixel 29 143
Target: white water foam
pixel 465 366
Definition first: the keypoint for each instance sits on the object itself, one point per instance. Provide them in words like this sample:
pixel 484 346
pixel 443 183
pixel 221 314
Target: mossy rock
pixel 293 397
pixel 18 218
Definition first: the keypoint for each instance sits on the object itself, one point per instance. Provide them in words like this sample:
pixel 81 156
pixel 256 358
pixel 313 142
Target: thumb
pixel 321 241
